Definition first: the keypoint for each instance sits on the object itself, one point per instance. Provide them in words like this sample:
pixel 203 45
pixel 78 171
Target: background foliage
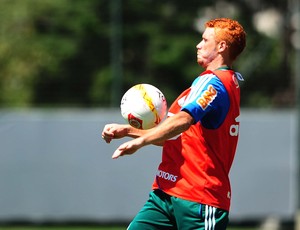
pixel 60 52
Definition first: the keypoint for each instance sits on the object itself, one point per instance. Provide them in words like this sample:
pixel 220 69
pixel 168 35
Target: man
pixel 199 138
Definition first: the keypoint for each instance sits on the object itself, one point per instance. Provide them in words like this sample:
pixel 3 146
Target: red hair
pixel 231 32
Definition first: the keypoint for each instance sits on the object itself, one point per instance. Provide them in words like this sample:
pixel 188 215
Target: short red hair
pixel 231 32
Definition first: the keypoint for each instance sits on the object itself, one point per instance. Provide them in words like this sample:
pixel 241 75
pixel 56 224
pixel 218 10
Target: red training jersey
pixel 195 165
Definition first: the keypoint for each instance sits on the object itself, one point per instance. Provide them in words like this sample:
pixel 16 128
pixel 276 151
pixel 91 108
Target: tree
pixel 46 50
pixel 57 52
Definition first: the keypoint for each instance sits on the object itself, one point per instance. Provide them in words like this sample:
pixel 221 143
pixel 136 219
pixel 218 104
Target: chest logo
pixel 207 97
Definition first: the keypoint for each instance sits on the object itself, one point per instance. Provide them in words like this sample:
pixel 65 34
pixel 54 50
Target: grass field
pixel 81 228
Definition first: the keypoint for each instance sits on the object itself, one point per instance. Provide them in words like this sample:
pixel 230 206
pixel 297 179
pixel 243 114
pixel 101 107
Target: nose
pixel 198 46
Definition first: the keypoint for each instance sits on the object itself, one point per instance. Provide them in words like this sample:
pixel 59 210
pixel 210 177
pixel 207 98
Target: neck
pixel 214 66
pixel 224 67
pixel 219 62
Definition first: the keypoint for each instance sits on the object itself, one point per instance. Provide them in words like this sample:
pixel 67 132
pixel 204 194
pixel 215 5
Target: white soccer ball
pixel 143 106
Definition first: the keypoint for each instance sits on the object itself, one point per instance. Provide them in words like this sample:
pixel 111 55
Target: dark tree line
pixel 60 52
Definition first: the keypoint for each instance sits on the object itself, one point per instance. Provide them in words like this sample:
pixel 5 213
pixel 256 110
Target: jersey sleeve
pixel 208 101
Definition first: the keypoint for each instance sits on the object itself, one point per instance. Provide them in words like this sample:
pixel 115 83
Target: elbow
pixel 187 120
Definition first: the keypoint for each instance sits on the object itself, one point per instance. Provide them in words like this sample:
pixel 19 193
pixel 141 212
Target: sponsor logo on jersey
pixel 235 80
pixel 166 176
pixel 234 128
pixel 229 195
pixel 207 97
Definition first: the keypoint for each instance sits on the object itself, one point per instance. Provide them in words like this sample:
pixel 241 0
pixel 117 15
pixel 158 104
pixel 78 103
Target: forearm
pixel 171 127
pixel 136 133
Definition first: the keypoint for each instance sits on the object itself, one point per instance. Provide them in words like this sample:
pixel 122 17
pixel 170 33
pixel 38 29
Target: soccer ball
pixel 143 106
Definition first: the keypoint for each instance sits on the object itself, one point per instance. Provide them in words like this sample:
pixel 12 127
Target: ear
pixel 222 46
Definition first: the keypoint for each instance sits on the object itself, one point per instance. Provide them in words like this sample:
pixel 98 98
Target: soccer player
pixel 191 189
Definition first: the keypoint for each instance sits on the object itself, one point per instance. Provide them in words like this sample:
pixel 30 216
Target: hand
pixel 128 148
pixel 113 131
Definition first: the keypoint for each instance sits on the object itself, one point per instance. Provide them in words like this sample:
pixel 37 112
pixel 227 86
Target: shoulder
pixel 207 95
pixel 207 81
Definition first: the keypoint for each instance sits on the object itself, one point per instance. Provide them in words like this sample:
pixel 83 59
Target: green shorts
pixel 162 211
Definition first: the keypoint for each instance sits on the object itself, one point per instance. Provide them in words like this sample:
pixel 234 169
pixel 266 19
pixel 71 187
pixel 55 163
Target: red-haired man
pixel 191 189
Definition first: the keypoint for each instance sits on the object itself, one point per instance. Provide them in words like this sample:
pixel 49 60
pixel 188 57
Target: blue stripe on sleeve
pixel 208 101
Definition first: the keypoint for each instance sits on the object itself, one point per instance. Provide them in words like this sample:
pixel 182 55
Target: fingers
pixel 124 149
pixel 106 139
pixel 108 133
pixel 117 154
pixel 120 151
pixel 115 131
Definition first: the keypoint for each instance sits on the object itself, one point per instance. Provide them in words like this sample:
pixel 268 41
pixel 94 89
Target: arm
pixel 117 131
pixel 169 128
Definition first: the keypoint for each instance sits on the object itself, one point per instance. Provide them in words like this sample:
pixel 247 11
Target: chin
pixel 201 63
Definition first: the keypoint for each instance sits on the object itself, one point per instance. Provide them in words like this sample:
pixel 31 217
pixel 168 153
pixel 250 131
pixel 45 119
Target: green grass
pixel 81 228
pixel 60 228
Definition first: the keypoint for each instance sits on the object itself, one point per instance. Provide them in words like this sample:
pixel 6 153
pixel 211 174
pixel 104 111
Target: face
pixel 207 48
